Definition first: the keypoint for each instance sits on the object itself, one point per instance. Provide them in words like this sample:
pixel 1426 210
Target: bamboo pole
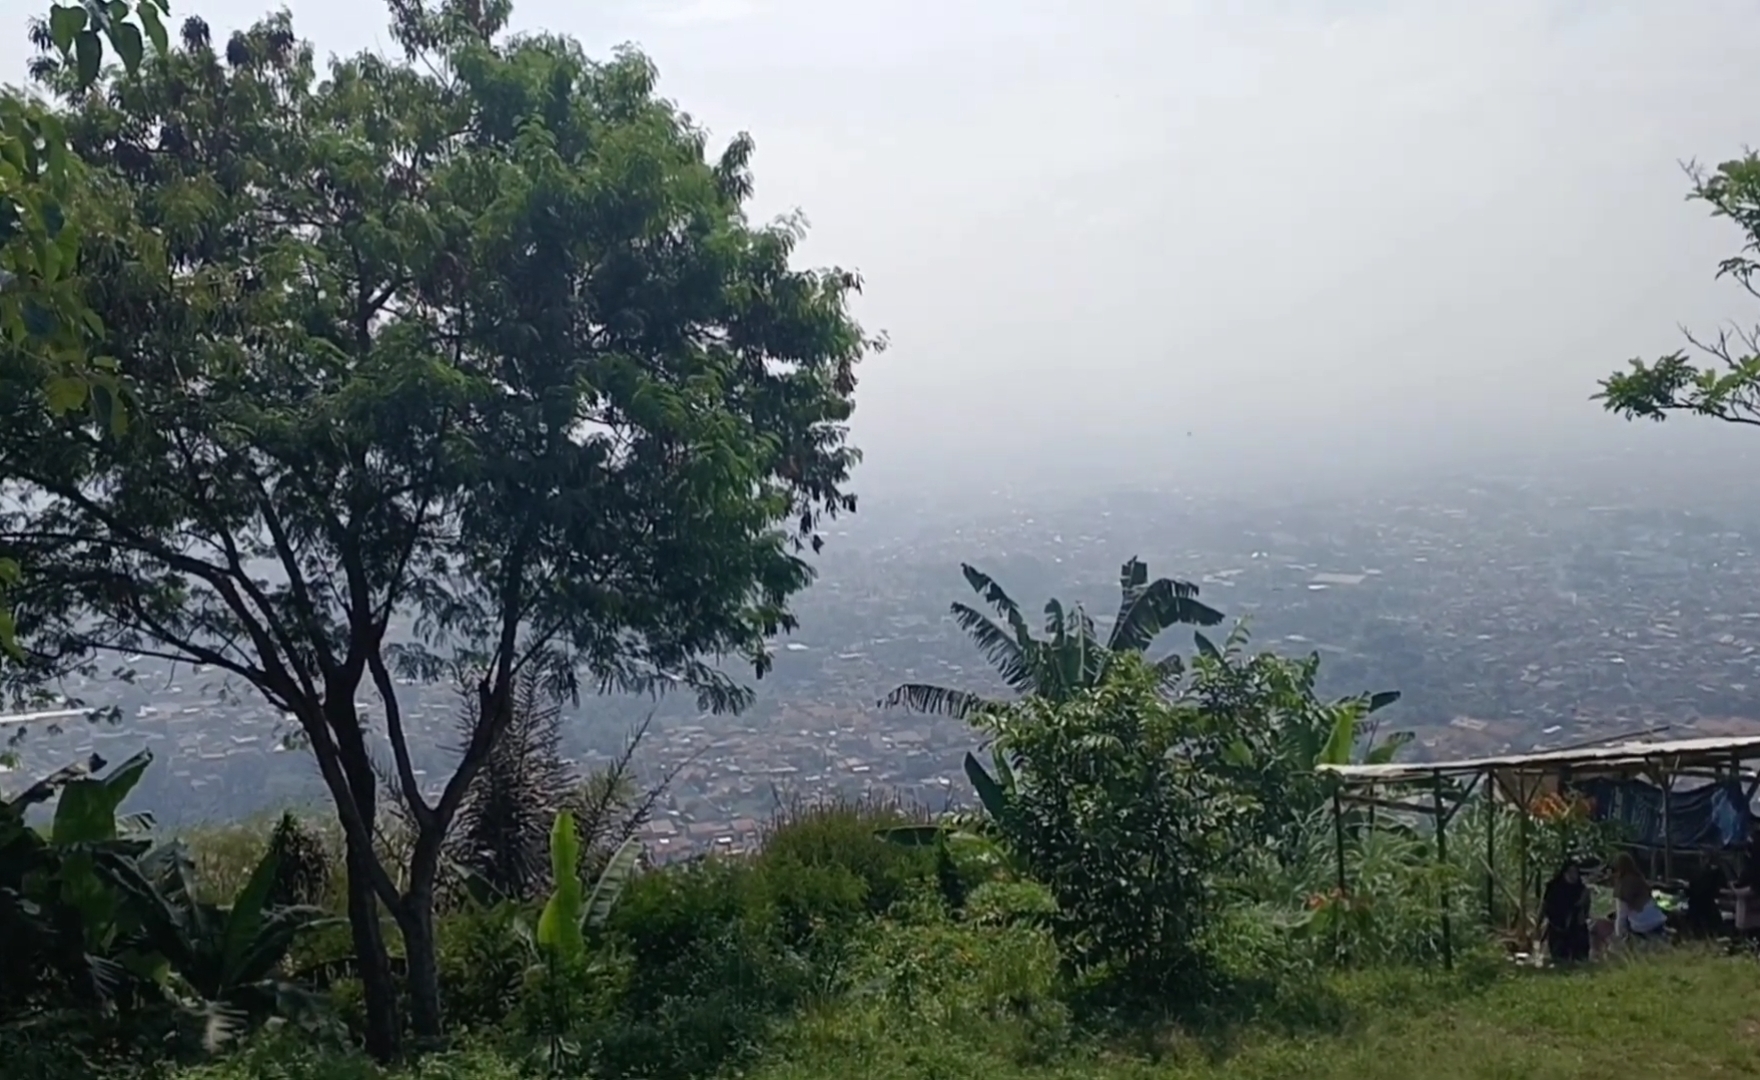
pixel 1442 860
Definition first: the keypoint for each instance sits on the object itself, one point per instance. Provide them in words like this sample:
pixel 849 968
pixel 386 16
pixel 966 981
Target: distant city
pixel 1510 614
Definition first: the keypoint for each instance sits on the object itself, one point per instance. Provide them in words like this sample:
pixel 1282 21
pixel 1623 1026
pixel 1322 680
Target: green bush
pixel 844 833
pixel 957 977
pixel 704 971
pixel 1117 805
pixel 482 965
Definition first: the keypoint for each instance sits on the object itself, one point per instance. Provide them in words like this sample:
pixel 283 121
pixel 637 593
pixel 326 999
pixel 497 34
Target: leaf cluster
pixel 1727 388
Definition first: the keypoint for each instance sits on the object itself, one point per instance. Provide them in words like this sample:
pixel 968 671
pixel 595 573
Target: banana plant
pixel 1351 725
pixel 559 925
pixel 1070 656
pixel 571 912
pixel 227 957
pixel 86 828
pixel 60 922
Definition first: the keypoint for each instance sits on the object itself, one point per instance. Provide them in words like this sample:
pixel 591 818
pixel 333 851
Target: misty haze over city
pixel 1315 289
pixel 1206 244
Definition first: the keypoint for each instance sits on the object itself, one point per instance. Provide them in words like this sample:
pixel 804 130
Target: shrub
pixel 294 1059
pixel 705 971
pixel 302 867
pixel 482 965
pixel 845 833
pixel 961 979
pixel 1119 806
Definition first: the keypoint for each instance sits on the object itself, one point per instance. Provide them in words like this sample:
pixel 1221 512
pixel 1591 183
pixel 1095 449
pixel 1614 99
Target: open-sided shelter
pixel 1619 771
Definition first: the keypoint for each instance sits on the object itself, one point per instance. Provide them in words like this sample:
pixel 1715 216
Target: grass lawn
pixel 1680 1014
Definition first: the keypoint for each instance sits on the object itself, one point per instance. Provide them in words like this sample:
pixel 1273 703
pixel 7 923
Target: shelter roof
pixel 1672 754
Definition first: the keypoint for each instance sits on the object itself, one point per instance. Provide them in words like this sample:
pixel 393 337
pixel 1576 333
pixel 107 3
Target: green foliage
pixel 709 972
pixel 503 837
pixel 1280 729
pixel 842 836
pixel 612 880
pixel 47 204
pixel 561 986
pixel 951 980
pixel 1071 657
pixel 104 927
pixel 302 864
pixel 1119 808
pixel 1727 388
pixel 301 1059
pixel 713 955
pixel 227 956
pixel 483 965
pixel 85 811
pixel 1682 1012
pixel 60 921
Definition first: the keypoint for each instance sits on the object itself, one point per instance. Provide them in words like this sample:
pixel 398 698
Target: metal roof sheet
pixel 1682 752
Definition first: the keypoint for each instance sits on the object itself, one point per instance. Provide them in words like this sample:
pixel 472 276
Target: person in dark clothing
pixel 1565 909
pixel 1746 889
pixel 1704 918
pixel 1748 876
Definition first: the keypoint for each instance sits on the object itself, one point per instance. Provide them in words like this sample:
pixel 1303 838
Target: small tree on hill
pixel 477 350
pixel 1119 802
pixel 302 864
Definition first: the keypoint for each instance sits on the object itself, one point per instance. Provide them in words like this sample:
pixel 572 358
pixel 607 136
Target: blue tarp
pixel 1710 818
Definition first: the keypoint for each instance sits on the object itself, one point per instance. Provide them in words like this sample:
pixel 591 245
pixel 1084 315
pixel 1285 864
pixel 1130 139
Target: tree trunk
pixel 416 921
pixel 378 987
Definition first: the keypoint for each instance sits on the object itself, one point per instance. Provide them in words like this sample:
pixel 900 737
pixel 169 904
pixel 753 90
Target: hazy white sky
pixel 1139 239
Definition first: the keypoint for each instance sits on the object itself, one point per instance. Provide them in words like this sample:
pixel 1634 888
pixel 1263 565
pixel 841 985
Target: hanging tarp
pixel 1709 818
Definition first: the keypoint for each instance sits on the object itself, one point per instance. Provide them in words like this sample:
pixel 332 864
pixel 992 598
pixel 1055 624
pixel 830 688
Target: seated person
pixel 1704 919
pixel 1636 914
pixel 1747 890
pixel 1565 911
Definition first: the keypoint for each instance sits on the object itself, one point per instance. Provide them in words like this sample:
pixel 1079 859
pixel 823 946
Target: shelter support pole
pixel 1522 843
pixel 1491 853
pixel 1442 860
pixel 1665 778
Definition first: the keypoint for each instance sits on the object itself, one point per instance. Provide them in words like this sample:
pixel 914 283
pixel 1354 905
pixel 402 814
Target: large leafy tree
pixel 1070 657
pixel 1726 385
pixel 469 359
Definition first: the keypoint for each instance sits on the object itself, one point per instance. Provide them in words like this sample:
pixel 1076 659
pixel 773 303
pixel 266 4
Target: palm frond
pixel 1090 658
pixel 1205 646
pixel 1146 608
pixel 934 701
pixel 1056 621
pixel 985 586
pixel 1003 604
pixel 502 831
pixel 1004 653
